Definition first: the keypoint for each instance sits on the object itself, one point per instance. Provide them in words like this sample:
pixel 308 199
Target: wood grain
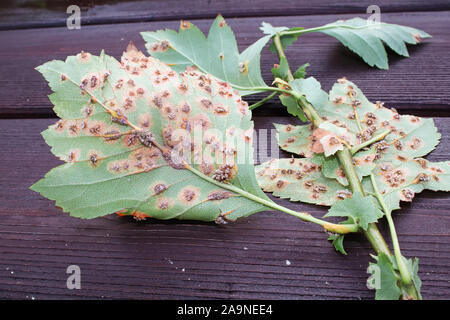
pixel 415 84
pixel 52 13
pixel 122 258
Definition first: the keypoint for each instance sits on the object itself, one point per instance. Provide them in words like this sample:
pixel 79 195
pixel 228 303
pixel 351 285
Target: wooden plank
pixel 122 258
pixel 25 14
pixel 418 83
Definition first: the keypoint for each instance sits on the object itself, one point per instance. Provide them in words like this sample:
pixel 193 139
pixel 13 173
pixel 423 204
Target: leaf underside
pixel 366 38
pixel 396 161
pixel 216 54
pixel 125 136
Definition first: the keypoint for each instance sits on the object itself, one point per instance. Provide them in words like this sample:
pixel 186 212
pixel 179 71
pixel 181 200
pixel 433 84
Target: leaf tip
pixel 131 47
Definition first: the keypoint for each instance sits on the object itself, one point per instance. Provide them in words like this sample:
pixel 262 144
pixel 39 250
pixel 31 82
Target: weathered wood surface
pixel 51 13
pixel 414 83
pixel 122 258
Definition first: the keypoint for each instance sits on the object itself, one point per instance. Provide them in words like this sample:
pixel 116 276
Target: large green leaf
pixel 399 170
pixel 141 139
pixel 366 38
pixel 216 54
pixel 396 161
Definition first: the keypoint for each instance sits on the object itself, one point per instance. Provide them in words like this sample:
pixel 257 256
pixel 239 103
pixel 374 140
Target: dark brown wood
pixel 51 13
pixel 122 258
pixel 415 84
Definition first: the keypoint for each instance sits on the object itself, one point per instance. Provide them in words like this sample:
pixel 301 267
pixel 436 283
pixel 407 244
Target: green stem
pixel 265 89
pixel 346 160
pixel 374 139
pixel 372 233
pixel 335 228
pixel 262 101
pixel 279 47
pixel 404 272
pixel 303 31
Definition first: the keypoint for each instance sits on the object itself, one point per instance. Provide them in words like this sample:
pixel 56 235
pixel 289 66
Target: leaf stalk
pixel 331 227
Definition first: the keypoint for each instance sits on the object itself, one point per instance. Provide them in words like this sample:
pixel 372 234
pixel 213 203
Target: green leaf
pixel 338 242
pixel 401 182
pixel 311 89
pixel 300 73
pixel 363 162
pixel 366 38
pixel 363 210
pixel 413 267
pixel 295 139
pixel 286 40
pixel 270 30
pixel 384 279
pixel 282 70
pixel 216 54
pixel 396 161
pixel 299 180
pixel 292 107
pixel 128 136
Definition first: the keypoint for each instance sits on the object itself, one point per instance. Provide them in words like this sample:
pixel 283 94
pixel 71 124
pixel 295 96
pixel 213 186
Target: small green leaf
pixel 362 209
pixel 293 107
pixel 331 168
pixel 311 89
pixel 282 70
pixel 295 139
pixel 384 279
pixel 300 73
pixel 338 242
pixel 270 30
pixel 413 266
pixel 216 54
pixel 286 40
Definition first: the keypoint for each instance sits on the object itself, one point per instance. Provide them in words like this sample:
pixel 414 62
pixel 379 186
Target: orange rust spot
pixel 318 134
pixel 140 215
pixel 222 23
pixel 185 25
pixel 59 126
pixel 73 155
pixel 83 57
